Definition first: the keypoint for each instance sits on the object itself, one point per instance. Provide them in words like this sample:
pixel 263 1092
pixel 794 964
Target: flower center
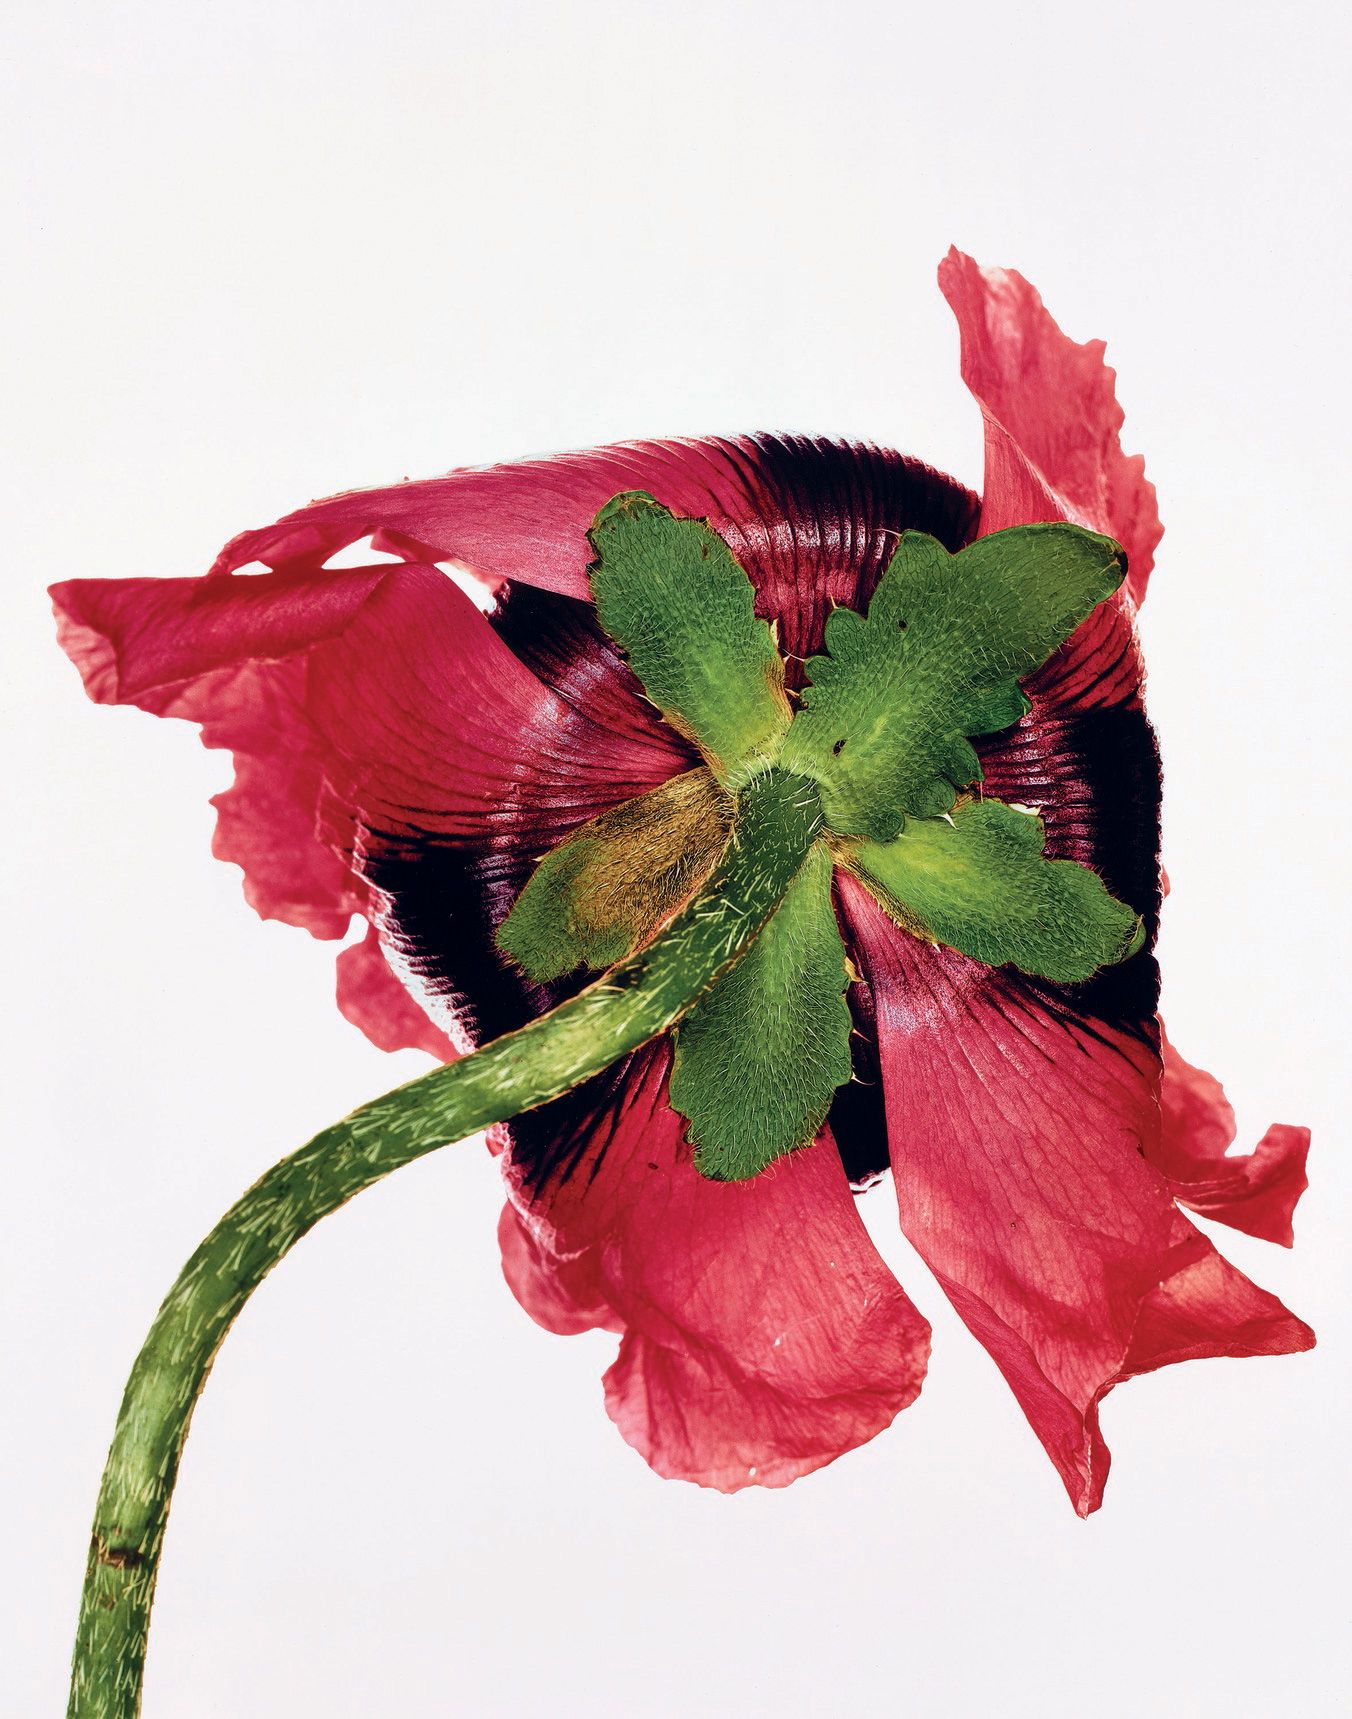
pixel 878 756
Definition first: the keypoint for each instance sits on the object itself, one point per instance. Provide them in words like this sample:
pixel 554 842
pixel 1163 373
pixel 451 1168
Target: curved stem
pixel 778 820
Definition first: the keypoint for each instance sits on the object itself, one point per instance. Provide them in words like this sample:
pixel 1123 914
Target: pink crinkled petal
pixel 1020 1131
pixel 763 1335
pixel 1256 1192
pixel 812 522
pixel 564 1295
pixel 374 714
pixel 1053 449
pixel 344 799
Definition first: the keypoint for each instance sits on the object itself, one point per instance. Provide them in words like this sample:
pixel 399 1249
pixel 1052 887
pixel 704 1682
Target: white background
pixel 268 251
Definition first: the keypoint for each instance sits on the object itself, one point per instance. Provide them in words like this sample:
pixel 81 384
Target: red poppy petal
pixel 565 1295
pixel 561 641
pixel 236 666
pixel 1085 755
pixel 1202 1308
pixel 1205 1307
pixel 1256 1193
pixel 375 1001
pixel 1052 452
pixel 1019 1129
pixel 378 722
pixel 1051 415
pixel 812 522
pixel 744 1361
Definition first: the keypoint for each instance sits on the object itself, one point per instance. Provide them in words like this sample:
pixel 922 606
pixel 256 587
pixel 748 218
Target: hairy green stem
pixel 778 820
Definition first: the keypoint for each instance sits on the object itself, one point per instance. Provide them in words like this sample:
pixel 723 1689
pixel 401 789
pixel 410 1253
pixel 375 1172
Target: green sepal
pixel 602 892
pixel 979 883
pixel 761 1054
pixel 884 725
pixel 669 593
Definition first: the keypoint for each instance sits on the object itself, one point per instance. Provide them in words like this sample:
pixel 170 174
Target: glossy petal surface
pixel 377 1002
pixel 811 522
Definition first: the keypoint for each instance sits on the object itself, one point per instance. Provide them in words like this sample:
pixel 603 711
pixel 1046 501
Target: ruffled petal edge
pixel 1257 1191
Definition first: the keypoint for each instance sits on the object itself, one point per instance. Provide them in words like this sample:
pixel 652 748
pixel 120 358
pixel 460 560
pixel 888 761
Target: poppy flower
pixel 443 740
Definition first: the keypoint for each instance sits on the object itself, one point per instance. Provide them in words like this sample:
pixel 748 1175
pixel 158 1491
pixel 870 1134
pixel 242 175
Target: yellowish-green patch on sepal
pixel 603 891
pixel 760 1055
pixel 670 594
pixel 884 726
pixel 978 882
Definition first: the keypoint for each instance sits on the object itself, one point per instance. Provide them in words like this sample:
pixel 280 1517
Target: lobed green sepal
pixel 979 883
pixel 670 594
pixel 759 1057
pixel 885 725
pixel 605 889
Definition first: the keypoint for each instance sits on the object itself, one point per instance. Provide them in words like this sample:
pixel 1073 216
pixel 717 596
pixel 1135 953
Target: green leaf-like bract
pixel 885 723
pixel 761 1054
pixel 671 596
pixel 593 899
pixel 979 883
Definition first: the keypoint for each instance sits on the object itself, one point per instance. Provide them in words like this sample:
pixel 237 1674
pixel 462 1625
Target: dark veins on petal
pixel 813 524
pixel 822 526
pixel 564 1142
pixel 1094 775
pixel 858 1120
pixel 561 640
pixel 824 523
